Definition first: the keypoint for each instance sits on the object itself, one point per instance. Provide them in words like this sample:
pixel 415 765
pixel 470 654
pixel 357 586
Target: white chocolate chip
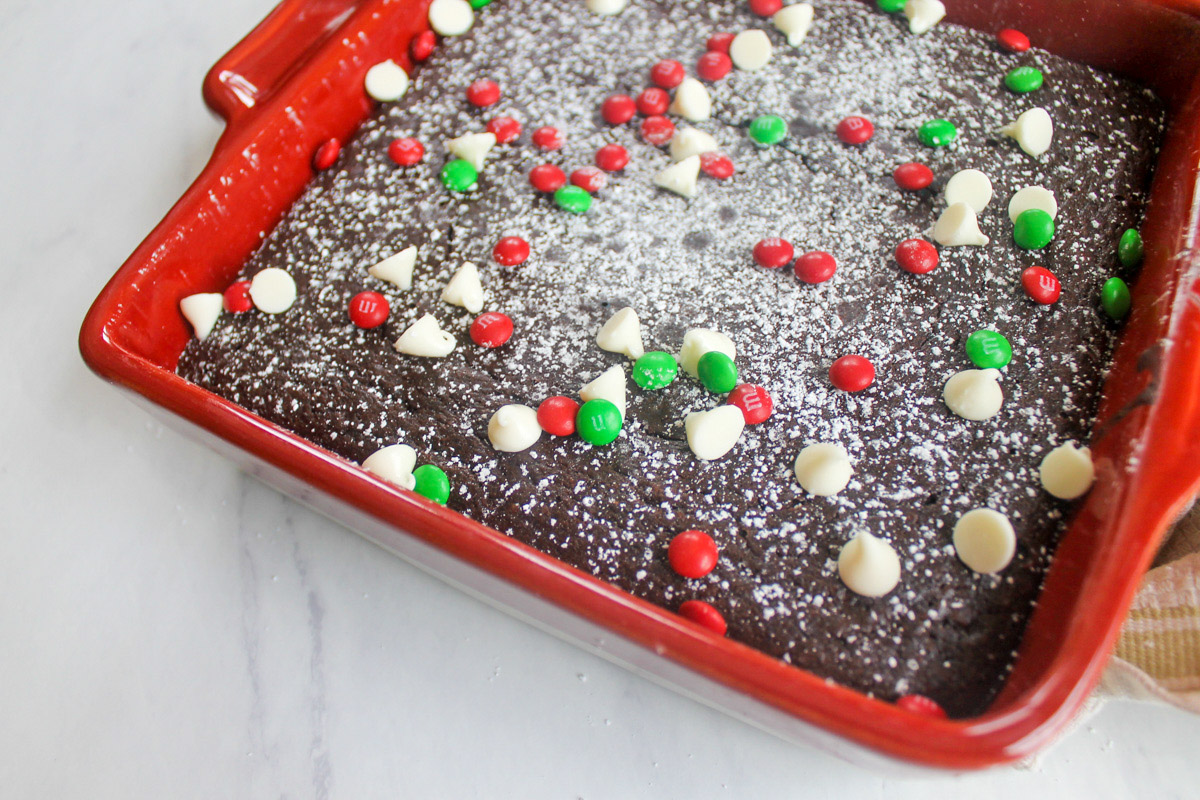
pixel 273 291
pixel 750 50
pixel 396 269
pixel 610 386
pixel 451 17
pixel 1030 198
pixel 425 337
pixel 606 8
pixel 699 341
pixel 472 147
pixel 923 14
pixel 464 289
pixel 689 142
pixel 394 464
pixel 202 310
pixel 514 428
pixel 386 81
pixel 622 334
pixel 958 226
pixel 969 186
pixel 692 101
pixel 1067 471
pixel 823 469
pixel 680 178
pixel 868 565
pixel 712 434
pixel 794 22
pixel 1033 130
pixel 984 540
pixel 974 394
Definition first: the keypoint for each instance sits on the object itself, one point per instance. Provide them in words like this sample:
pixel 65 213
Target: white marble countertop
pixel 172 628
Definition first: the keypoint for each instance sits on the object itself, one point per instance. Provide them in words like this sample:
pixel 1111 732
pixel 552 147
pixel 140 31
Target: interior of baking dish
pixel 295 82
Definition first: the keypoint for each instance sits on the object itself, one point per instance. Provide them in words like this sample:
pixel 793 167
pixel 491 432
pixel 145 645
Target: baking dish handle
pixel 258 65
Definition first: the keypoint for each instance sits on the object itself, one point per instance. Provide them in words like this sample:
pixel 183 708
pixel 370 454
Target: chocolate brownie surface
pixel 945 631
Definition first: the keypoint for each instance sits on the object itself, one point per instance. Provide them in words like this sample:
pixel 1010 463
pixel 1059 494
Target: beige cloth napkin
pixel 1158 654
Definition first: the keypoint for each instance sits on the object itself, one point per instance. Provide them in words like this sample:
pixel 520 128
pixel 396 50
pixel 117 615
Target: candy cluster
pixel 821 469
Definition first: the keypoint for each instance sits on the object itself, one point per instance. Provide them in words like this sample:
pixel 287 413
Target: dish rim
pixel 301 49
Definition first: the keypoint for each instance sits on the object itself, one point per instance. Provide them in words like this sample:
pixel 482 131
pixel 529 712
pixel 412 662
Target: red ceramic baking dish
pixel 296 80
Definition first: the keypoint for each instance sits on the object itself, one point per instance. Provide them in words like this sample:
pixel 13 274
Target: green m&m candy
pixel 598 422
pixel 891 6
pixel 1033 229
pixel 1023 79
pixel 432 483
pixel 988 349
pixel 768 129
pixel 1130 249
pixel 573 199
pixel 655 370
pixel 479 3
pixel 937 133
pixel 459 175
pixel 717 372
pixel 1114 297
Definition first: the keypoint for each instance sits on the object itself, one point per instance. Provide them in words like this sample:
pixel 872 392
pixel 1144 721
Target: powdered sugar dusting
pixel 944 632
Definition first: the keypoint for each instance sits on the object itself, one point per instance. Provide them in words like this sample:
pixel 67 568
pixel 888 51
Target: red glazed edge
pixel 296 80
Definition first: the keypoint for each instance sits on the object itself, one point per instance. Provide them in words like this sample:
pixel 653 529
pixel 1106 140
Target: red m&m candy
pixel 667 74
pixel 916 256
pixel 754 401
pixel 773 252
pixel 713 65
pixel 652 101
pixel 855 130
pixel 237 297
pixel 1013 40
pixel 719 43
pixel 556 415
pixel 612 158
pixel 912 176
pixel 852 373
pixel 422 45
pixel 765 8
pixel 590 179
pixel 326 154
pixel 406 152
pixel 505 129
pixel 692 554
pixel 511 251
pixel 920 704
pixel 1041 285
pixel 369 309
pixel 483 92
pixel 657 130
pixel 618 109
pixel 702 613
pixel 491 329
pixel 815 267
pixel 547 178
pixel 716 165
pixel 548 138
